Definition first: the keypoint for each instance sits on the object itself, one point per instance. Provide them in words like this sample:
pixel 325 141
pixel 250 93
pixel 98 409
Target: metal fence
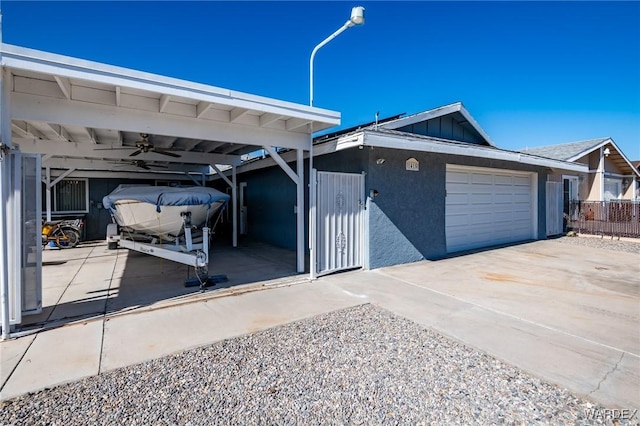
pixel 620 218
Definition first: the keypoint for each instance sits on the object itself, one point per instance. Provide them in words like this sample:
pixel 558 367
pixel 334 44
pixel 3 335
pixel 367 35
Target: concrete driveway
pixel 567 314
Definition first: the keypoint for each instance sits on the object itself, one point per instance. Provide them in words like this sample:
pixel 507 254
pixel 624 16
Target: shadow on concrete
pixel 91 280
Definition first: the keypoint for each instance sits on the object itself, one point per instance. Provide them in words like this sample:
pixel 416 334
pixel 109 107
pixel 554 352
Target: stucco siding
pixel 406 220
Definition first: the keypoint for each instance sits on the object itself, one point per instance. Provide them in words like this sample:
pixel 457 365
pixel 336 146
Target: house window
pixel 68 196
pixel 612 189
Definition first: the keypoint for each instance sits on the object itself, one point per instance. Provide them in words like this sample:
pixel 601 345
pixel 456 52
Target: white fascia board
pixel 57 110
pixel 421 116
pixel 601 144
pixel 440 147
pixel 590 150
pixel 69 149
pixel 69 67
pixel 475 125
pixel 438 112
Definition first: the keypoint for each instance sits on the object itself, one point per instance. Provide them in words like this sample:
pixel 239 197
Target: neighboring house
pixel 611 176
pixel 406 189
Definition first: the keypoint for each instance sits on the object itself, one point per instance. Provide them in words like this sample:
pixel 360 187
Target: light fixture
pixel 380 161
pixel 357 16
pixel 606 152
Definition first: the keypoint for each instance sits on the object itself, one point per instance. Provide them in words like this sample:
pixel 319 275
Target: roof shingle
pixel 565 151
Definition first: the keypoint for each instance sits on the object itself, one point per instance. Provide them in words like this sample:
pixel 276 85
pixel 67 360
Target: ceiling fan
pixel 144 145
pixel 142 164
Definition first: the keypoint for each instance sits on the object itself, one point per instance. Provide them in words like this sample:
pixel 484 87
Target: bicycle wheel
pixel 67 238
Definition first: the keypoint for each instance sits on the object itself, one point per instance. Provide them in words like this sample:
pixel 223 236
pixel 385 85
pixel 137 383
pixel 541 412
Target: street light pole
pixel 357 18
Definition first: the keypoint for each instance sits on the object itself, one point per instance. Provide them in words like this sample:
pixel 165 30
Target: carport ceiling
pixel 87 115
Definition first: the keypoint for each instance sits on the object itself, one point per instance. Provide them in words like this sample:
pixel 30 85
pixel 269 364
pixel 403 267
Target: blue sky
pixel 530 73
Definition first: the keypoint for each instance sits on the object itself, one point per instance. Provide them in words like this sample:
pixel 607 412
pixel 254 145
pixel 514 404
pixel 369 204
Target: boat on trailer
pixel 159 211
pixel 167 222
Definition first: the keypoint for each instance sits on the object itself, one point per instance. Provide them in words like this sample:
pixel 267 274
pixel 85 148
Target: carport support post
pixel 5 159
pixel 300 210
pixel 47 185
pixel 234 195
pixel 234 189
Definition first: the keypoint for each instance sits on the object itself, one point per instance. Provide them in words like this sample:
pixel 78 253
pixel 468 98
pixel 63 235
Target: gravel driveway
pixel 362 365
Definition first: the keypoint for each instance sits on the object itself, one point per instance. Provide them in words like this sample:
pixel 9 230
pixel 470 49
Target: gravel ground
pixel 627 245
pixel 361 365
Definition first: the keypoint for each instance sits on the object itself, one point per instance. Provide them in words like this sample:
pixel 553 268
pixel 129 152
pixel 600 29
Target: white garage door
pixel 485 207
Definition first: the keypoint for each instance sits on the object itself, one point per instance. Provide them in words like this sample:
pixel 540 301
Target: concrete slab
pixel 566 314
pixel 11 353
pixel 136 337
pixel 82 300
pixel 546 283
pixel 55 357
pixel 536 306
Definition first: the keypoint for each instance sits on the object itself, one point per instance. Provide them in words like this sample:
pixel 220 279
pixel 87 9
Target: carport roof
pixel 87 111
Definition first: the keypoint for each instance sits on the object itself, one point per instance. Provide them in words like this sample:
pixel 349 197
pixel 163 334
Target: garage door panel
pixel 522 181
pixel 455 198
pixel 487 207
pixel 480 178
pixel 480 199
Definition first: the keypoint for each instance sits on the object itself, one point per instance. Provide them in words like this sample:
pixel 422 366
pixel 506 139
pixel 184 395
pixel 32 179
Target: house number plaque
pixel 412 165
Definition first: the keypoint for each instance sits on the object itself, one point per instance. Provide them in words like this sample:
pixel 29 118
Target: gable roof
pixel 573 151
pixel 457 110
pixel 567 151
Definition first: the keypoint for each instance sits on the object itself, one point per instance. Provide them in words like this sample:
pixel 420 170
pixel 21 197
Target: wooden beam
pixel 61 132
pixel 296 123
pixel 268 118
pixel 65 86
pixel 202 108
pixel 23 128
pixel 164 101
pixel 236 113
pixel 118 97
pixel 283 164
pixel 58 148
pixel 56 110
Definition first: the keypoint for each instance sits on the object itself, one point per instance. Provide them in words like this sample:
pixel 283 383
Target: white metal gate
pixel 554 208
pixel 339 221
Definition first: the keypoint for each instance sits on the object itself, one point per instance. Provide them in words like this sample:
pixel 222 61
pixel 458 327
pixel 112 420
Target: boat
pixel 162 211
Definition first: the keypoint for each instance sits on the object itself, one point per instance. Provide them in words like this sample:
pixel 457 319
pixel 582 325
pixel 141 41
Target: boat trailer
pixel 191 248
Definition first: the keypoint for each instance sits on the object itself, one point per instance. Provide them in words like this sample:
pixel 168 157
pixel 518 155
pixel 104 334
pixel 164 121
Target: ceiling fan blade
pixel 138 152
pixel 157 166
pixel 114 148
pixel 165 152
pixel 144 166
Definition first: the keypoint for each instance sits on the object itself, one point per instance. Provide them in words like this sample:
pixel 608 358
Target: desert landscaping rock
pixel 628 245
pixel 361 365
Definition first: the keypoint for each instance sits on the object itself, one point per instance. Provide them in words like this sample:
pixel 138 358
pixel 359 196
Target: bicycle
pixel 64 233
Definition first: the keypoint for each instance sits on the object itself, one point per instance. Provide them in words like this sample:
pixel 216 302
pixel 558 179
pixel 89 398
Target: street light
pixel 357 18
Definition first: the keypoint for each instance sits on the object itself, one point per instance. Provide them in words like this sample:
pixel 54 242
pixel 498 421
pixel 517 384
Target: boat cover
pixel 165 196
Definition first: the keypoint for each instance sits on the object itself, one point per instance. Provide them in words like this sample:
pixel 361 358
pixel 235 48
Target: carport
pixel 68 117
